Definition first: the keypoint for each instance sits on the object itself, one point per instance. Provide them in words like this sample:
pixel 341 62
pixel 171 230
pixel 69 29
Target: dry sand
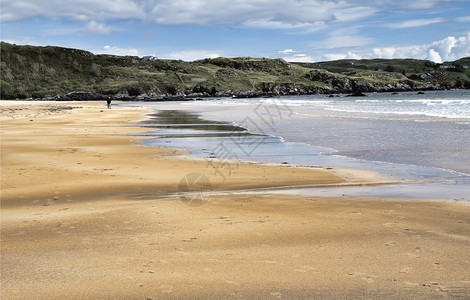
pixel 89 213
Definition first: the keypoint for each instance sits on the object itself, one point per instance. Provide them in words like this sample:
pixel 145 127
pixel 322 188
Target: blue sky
pixel 295 30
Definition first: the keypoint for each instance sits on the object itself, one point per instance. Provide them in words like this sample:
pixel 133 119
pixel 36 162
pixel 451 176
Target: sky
pixel 294 30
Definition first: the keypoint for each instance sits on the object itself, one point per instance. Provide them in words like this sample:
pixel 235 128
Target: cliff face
pixel 45 72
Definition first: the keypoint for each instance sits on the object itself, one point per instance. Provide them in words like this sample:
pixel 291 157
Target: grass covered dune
pixel 73 74
pixel 87 212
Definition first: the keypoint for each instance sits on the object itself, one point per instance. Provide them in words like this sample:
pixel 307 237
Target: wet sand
pixel 88 212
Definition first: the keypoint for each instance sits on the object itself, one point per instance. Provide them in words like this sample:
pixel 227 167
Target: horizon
pixel 227 57
pixel 295 31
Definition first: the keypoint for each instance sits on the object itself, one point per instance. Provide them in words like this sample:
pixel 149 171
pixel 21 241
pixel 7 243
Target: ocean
pixel 424 138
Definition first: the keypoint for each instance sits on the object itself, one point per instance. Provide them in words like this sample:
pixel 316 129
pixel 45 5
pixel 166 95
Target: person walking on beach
pixel 109 102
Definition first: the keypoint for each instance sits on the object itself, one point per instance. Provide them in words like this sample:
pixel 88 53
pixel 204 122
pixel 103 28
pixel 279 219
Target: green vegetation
pixel 41 72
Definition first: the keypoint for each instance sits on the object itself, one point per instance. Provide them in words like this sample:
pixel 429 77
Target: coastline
pixel 285 131
pixel 87 212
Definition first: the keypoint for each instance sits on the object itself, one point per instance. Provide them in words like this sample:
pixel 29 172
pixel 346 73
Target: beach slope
pixel 87 212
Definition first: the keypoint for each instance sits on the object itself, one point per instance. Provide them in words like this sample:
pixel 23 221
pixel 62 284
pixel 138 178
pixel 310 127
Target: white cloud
pixel 447 49
pixel 334 56
pixel 113 50
pixel 100 28
pixel 302 57
pixel 346 41
pixel 18 10
pixel 288 15
pixel 463 19
pixel 283 14
pixel 191 55
pixel 416 23
pixel 298 58
pixel 407 5
pixel 434 56
pixel 279 14
pixel 286 51
pixel 345 38
pixel 421 4
pixel 354 13
pixel 273 24
pixel 452 48
pixel 397 52
pixel 303 16
pixel 81 10
pixel 348 55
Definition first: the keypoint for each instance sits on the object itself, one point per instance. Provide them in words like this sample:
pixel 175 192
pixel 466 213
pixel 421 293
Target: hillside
pixel 45 72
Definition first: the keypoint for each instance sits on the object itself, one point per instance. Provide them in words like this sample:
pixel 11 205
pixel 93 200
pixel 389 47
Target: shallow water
pixel 406 129
pixel 425 138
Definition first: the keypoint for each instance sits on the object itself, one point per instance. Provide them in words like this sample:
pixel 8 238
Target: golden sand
pixel 89 213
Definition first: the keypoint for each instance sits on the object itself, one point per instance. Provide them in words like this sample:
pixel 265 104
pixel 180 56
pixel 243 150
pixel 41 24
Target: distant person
pixel 109 102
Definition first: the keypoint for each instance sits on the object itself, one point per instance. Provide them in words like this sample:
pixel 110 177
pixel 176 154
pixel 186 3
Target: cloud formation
pixel 256 13
pixel 282 14
pixel 346 38
pixel 192 55
pixel 448 49
pixel 331 28
pixel 286 51
pixel 298 58
pixel 80 10
pixel 99 28
pixel 113 50
pixel 416 23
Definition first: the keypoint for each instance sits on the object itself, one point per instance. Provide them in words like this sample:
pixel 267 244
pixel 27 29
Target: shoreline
pixel 73 225
pixel 93 96
pixel 126 133
pixel 182 127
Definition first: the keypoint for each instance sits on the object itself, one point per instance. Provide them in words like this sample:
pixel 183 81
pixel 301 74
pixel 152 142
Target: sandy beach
pixel 87 212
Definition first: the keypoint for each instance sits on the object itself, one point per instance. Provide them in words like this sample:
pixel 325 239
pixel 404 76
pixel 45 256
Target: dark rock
pixel 357 94
pixel 79 96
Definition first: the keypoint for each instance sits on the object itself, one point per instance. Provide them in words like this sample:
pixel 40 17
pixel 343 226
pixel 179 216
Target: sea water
pixel 407 136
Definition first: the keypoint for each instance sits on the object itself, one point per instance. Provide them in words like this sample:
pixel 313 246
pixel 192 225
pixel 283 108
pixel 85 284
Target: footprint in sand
pixel 411 233
pixel 390 243
pixel 305 269
pixel 409 283
pixel 437 265
pixel 366 277
pixel 405 270
pixel 412 255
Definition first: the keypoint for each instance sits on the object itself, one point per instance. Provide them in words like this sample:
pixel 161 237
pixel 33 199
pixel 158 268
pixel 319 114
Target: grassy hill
pixel 42 72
